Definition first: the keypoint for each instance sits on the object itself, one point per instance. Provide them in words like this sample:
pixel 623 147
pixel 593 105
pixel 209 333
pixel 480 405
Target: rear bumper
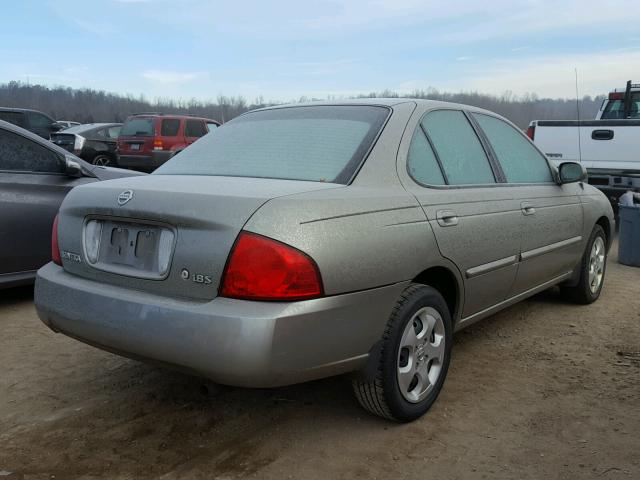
pixel 152 161
pixel 234 342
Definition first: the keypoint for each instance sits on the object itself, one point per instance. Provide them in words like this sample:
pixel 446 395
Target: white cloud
pixel 170 77
pixel 554 75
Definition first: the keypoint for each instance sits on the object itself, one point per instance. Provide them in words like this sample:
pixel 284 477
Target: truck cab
pixel 621 104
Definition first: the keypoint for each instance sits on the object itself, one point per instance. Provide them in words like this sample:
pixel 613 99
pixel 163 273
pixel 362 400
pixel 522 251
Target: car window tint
pixel 520 161
pixel 458 148
pixel 195 128
pixel 316 143
pixel 37 120
pixel 17 118
pixel 138 127
pixel 102 133
pixel 421 161
pixel 170 127
pixel 18 153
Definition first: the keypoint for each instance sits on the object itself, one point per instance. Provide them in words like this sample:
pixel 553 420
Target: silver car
pixel 305 241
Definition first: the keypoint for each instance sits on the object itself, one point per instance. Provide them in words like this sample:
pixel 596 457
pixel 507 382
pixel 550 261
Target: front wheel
pixel 592 269
pixel 103 161
pixel 414 358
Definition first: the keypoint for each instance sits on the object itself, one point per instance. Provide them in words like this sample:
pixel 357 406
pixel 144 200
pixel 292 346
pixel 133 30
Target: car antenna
pixel 578 111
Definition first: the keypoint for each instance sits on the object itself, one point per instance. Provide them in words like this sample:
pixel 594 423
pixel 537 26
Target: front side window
pixel 37 120
pixel 21 154
pixel 520 161
pixel 315 143
pixel 195 128
pixel 458 148
pixel 421 161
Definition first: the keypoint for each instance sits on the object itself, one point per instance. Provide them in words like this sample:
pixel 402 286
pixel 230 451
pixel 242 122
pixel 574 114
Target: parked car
pixel 67 124
pixel 304 241
pixel 35 176
pixel 148 140
pixel 94 142
pixel 37 122
pixel 607 146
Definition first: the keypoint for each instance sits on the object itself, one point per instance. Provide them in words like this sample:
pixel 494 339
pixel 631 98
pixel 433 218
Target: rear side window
pixel 113 132
pixel 18 153
pixel 195 128
pixel 138 127
pixel 615 108
pixel 458 148
pixel 315 143
pixel 520 161
pixel 17 118
pixel 170 127
pixel 422 163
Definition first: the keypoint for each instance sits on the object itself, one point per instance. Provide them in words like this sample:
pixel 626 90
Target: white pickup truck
pixel 608 147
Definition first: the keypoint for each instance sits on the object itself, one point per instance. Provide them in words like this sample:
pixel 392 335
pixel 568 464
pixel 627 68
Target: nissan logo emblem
pixel 125 196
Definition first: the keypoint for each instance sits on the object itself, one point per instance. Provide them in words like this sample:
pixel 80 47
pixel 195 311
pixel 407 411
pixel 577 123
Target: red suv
pixel 147 140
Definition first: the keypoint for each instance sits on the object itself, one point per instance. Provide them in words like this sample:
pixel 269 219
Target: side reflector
pixel 55 250
pixel 260 268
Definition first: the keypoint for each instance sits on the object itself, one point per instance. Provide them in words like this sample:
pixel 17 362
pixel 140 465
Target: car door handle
pixel 447 218
pixel 602 134
pixel 527 208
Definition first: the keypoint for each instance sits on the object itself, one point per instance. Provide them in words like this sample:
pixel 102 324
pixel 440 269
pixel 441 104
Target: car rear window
pixel 316 143
pixel 135 127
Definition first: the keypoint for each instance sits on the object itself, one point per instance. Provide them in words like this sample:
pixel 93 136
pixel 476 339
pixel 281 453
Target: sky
pixel 283 50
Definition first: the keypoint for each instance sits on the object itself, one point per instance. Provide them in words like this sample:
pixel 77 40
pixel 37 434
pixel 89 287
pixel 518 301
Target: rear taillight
pixel 260 268
pixel 531 131
pixel 157 144
pixel 55 250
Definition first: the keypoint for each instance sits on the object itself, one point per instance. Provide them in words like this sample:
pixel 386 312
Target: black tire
pixel 582 293
pixel 103 160
pixel 381 395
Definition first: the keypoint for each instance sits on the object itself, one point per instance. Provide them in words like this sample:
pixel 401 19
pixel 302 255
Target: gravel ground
pixel 544 389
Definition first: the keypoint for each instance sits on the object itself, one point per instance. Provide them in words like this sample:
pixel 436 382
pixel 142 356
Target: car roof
pixel 21 110
pixel 172 115
pixel 88 126
pixel 386 102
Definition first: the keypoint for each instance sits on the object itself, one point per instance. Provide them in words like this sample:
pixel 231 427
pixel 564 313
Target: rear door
pixel 33 186
pixel 194 129
pixel 552 214
pixel 476 221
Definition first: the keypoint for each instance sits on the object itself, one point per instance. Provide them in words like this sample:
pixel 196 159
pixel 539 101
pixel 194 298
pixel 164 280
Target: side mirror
pixel 72 168
pixel 570 172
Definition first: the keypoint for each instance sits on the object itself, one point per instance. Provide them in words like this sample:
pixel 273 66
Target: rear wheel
pixel 592 270
pixel 415 355
pixel 103 161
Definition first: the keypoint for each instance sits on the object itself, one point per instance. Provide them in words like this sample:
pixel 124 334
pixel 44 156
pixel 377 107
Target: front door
pixel 551 213
pixel 33 186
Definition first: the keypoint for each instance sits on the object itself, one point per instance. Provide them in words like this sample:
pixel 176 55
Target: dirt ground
pixel 544 389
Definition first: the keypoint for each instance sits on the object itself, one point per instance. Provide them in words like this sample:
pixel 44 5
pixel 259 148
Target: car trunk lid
pixel 190 222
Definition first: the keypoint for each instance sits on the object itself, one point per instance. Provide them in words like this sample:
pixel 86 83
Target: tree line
pixel 88 106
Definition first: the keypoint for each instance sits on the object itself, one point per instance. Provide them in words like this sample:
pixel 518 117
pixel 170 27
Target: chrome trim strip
pixel 491 266
pixel 549 248
pixel 510 301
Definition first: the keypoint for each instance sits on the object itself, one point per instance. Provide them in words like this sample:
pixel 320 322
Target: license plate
pixel 135 146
